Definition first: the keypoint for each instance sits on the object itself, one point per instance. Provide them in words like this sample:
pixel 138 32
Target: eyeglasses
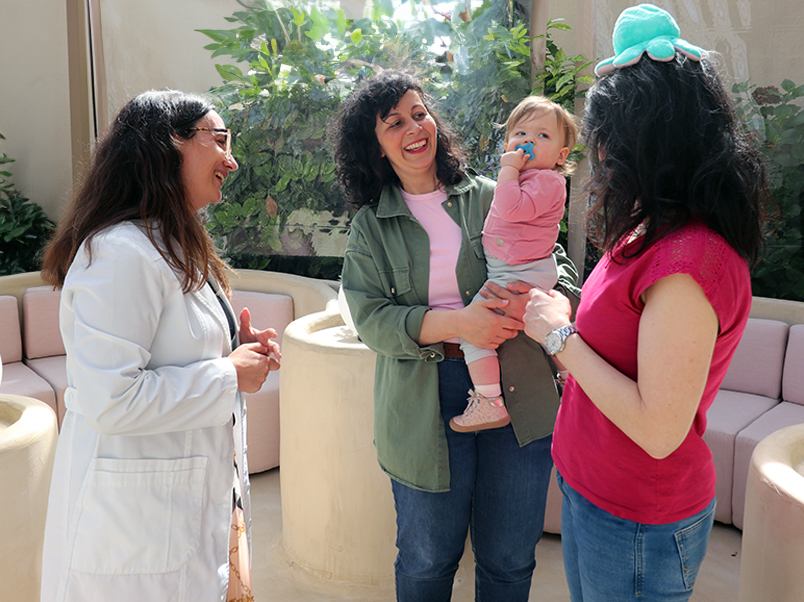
pixel 228 132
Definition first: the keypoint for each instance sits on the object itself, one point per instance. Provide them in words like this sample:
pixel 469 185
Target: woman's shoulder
pixel 472 179
pixel 126 237
pixel 697 241
pixel 476 186
pixel 699 251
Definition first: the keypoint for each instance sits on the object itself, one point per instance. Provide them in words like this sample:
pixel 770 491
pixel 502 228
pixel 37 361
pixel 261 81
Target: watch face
pixel 553 342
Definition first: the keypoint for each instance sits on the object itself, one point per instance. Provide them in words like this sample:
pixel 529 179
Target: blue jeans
pixel 608 558
pixel 497 489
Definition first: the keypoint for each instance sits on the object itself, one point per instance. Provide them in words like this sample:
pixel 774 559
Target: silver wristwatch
pixel 554 341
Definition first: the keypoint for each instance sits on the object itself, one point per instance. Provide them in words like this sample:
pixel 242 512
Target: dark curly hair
pixel 361 169
pixel 667 147
pixel 136 175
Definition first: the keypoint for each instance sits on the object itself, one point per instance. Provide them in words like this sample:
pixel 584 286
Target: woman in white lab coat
pixel 150 466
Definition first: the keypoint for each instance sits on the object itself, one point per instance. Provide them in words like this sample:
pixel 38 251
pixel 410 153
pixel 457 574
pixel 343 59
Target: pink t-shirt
pixel 522 224
pixel 445 244
pixel 594 456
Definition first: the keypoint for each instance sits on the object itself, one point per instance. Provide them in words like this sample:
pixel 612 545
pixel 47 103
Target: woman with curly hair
pixel 677 203
pixel 413 263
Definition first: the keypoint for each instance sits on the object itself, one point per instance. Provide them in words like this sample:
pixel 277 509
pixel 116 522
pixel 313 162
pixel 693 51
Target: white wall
pixel 757 39
pixel 34 99
pixel 152 44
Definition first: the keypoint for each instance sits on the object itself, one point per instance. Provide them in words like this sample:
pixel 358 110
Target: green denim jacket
pixel 385 279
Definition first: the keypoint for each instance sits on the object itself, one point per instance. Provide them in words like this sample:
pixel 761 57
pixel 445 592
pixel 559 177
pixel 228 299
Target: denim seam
pixel 639 561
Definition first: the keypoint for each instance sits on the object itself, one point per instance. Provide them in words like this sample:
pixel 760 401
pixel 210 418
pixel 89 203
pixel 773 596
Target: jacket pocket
pixel 396 284
pixel 137 516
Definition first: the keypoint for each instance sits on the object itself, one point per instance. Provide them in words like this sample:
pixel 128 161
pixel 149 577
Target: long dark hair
pixel 667 147
pixel 136 175
pixel 362 170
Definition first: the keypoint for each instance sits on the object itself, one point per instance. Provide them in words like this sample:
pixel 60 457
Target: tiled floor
pixel 278 579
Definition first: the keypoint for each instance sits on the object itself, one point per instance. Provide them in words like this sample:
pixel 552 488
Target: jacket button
pixel 511 389
pixel 499 242
pixel 393 291
pixel 449 204
pixel 432 355
pixel 466 293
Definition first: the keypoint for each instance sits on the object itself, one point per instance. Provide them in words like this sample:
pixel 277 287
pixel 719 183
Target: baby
pixel 520 233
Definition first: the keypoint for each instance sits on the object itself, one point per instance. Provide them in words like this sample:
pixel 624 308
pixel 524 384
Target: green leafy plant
pixel 778 118
pixel 289 64
pixel 299 60
pixel 24 227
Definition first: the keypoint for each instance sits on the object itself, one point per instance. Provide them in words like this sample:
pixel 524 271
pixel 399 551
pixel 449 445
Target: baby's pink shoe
pixel 482 413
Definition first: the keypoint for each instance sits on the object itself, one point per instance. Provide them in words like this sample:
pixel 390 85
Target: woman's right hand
pixel 478 323
pixel 252 365
pixel 483 327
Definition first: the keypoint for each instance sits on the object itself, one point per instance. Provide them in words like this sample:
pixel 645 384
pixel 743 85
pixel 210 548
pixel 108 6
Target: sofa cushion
pixel 10 339
pixel 262 436
pixel 780 416
pixel 40 327
pixel 729 414
pixel 19 379
pixel 758 360
pixel 53 370
pixel 267 310
pixel 793 380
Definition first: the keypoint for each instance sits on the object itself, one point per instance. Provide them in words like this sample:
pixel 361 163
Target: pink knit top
pixel 522 224
pixel 594 456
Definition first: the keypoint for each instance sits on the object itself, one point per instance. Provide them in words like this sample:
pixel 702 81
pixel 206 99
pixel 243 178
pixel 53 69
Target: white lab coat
pixel 141 496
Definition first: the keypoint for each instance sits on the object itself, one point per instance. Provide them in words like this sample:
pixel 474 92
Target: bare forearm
pixel 478 323
pixel 619 399
pixel 438 326
pixel 677 333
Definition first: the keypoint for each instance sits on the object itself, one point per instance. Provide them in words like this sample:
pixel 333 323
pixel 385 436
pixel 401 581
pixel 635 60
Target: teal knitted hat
pixel 646 28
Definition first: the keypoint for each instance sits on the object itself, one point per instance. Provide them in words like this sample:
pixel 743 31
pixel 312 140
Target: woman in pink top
pixel 676 202
pixel 520 233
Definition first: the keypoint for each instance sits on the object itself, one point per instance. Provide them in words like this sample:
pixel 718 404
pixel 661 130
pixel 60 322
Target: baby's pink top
pixel 445 243
pixel 594 456
pixel 522 224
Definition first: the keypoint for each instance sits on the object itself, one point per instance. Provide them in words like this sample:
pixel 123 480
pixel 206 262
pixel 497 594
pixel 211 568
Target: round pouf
pixel 338 516
pixel 28 436
pixel 773 529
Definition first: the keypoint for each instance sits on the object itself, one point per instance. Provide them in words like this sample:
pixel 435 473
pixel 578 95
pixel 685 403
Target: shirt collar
pixel 391 203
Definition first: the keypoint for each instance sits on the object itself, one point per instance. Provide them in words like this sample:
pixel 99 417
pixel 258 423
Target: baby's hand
pixel 515 158
pixel 528 148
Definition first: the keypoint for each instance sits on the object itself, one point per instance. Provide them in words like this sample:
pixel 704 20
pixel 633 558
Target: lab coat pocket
pixel 138 516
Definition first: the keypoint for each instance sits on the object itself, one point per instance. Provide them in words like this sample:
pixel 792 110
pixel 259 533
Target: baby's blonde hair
pixel 539 105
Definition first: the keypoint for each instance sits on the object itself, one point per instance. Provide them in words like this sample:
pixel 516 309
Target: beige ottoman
pixel 338 516
pixel 773 530
pixel 28 435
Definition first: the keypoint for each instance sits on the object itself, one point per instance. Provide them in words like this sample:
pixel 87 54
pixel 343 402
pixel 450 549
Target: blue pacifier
pixel 528 148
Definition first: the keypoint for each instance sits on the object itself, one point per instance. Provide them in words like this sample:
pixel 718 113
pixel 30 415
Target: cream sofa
pixel 763 392
pixel 34 361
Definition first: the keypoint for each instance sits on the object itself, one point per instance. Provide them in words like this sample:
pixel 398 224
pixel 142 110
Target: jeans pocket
pixel 139 516
pixel 691 542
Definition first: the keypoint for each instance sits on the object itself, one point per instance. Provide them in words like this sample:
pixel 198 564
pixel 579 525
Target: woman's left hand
pixel 248 334
pixel 546 312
